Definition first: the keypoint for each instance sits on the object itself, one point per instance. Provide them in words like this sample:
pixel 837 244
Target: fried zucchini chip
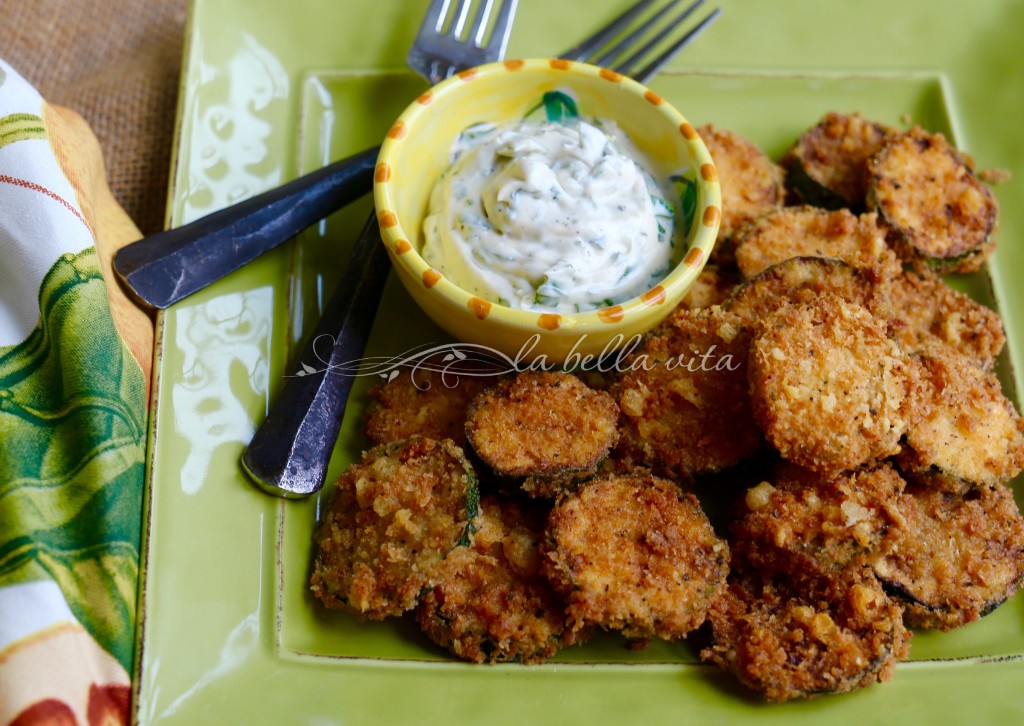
pixel 394 517
pixel 811 232
pixel 829 388
pixel 802 524
pixel 932 313
pixel 427 402
pixel 548 428
pixel 928 194
pixel 830 636
pixel 491 603
pixel 828 164
pixel 685 392
pixel 956 557
pixel 969 433
pixel 800 280
pixel 752 184
pixel 634 553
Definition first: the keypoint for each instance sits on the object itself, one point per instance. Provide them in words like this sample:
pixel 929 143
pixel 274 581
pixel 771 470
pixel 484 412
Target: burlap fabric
pixel 117 63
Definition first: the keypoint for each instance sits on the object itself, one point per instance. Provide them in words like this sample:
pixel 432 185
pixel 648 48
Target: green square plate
pixel 227 631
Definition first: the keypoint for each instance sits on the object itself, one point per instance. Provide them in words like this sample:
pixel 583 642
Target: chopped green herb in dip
pixel 555 217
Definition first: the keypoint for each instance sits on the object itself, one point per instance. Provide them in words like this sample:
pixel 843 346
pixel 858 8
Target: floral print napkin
pixel 75 358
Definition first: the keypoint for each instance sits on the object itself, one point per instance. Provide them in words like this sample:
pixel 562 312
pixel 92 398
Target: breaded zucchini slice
pixel 811 232
pixel 685 392
pixel 956 557
pixel 828 386
pixel 547 428
pixel 801 280
pixel 928 194
pixel 394 517
pixel 969 434
pixel 931 313
pixel 802 524
pixel 491 603
pixel 634 553
pixel 425 402
pixel 828 636
pixel 752 184
pixel 828 165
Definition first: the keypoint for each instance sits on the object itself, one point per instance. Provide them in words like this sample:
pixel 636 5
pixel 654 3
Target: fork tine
pixel 476 33
pixel 502 29
pixel 628 64
pixel 438 11
pixel 459 20
pixel 652 68
pixel 606 59
pixel 585 49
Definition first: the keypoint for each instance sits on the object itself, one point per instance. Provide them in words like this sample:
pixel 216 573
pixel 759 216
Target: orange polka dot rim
pixel 416 152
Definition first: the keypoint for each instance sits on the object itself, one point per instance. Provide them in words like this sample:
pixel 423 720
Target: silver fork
pixel 163 268
pixel 290 451
pixel 607 48
pixel 448 43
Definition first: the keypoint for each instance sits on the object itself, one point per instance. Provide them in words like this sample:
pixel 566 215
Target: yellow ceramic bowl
pixel 416 152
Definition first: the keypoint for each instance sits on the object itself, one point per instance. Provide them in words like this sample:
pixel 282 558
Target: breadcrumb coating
pixel 752 184
pixel 802 524
pixel 829 388
pixel 956 557
pixel 927 192
pixel 969 433
pixel 491 603
pixel 811 232
pixel 394 517
pixel 634 553
pixel 931 313
pixel 828 164
pixel 801 280
pixel 549 428
pixel 425 402
pixel 685 392
pixel 831 636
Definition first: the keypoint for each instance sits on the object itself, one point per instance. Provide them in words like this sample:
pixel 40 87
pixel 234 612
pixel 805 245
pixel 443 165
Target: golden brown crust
pixel 833 636
pixel 810 232
pixel 969 433
pixel 424 402
pixel 802 524
pixel 634 553
pixel 927 193
pixel 931 313
pixel 801 280
pixel 752 184
pixel 547 427
pixel 395 515
pixel 955 558
pixel 685 392
pixel 491 603
pixel 828 387
pixel 828 164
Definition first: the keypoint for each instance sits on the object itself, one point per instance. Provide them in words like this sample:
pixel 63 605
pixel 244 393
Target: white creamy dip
pixel 556 217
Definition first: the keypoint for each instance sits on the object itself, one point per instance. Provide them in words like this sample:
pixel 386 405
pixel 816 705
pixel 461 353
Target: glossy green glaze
pixel 228 631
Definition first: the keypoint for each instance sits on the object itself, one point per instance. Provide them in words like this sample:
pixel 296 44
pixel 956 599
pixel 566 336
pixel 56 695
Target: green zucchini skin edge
pixel 811 191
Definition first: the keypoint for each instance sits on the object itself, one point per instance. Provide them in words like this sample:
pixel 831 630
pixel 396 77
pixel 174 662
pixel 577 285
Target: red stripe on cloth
pixel 43 190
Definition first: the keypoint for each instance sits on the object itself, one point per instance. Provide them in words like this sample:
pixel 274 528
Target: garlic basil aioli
pixel 550 216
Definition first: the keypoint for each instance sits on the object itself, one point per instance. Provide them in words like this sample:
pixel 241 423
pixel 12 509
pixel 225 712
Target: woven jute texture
pixel 117 63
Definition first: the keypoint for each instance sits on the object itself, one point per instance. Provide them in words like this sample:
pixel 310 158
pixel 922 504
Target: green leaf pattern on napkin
pixel 72 427
pixel 20 126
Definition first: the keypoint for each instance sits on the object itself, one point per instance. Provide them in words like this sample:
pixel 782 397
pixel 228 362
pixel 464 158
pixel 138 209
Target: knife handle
pixel 161 269
pixel 289 453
